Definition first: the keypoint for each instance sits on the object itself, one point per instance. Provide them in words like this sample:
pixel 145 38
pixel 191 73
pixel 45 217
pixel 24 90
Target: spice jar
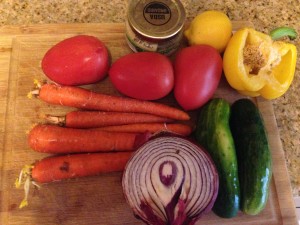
pixel 155 26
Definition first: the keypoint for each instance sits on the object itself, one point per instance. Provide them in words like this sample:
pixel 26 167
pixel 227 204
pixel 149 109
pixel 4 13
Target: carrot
pixel 92 119
pixel 86 99
pixel 62 167
pixel 55 139
pixel 57 168
pixel 177 128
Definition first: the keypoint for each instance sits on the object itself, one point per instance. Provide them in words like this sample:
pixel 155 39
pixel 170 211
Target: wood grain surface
pixel 98 199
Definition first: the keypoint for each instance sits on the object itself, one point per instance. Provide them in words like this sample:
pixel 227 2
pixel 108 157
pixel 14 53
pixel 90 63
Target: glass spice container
pixel 155 25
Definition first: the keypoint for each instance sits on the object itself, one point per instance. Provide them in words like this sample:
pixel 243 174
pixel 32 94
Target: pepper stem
pixel 282 32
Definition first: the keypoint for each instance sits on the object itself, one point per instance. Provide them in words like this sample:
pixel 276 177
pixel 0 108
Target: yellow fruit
pixel 213 28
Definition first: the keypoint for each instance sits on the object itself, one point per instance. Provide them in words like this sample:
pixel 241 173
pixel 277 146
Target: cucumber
pixel 253 153
pixel 213 133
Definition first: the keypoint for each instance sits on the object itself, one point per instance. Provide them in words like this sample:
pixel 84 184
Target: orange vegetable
pixel 92 119
pixel 55 139
pixel 177 128
pixel 57 168
pixel 62 167
pixel 86 99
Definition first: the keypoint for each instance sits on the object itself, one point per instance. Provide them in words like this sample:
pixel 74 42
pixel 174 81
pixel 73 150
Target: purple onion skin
pixel 182 219
pixel 142 139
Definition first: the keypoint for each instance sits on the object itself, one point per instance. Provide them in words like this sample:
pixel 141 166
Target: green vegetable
pixel 281 32
pixel 213 133
pixel 254 157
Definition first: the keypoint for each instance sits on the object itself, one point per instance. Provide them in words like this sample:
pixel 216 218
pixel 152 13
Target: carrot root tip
pixel 25 180
pixel 33 93
pixel 37 83
pixel 36 91
pixel 58 120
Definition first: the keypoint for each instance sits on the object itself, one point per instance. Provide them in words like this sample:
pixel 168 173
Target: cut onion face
pixel 170 181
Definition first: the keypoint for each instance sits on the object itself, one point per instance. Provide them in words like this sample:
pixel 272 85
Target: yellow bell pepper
pixel 256 65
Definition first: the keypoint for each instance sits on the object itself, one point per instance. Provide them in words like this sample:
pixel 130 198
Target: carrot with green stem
pixel 57 168
pixel 58 140
pixel 86 99
pixel 93 119
pixel 176 128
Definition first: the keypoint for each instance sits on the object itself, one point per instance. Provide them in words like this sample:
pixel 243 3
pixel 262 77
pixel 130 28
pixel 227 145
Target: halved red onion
pixel 170 181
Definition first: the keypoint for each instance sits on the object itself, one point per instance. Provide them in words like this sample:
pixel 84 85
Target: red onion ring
pixel 170 180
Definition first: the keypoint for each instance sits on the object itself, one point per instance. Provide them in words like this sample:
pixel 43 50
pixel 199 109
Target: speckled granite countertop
pixel 264 14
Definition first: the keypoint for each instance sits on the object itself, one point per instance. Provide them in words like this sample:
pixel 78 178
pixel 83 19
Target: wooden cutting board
pixel 99 199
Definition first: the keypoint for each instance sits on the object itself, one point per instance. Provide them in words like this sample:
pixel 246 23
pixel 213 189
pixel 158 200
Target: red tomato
pixel 198 71
pixel 77 60
pixel 143 75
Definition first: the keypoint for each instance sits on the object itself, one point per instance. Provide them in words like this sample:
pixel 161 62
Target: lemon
pixel 212 27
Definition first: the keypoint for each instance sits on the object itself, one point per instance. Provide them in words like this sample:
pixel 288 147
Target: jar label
pixel 157 13
pixel 137 43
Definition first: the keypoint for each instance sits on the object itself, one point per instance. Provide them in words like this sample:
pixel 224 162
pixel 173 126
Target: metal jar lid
pixel 157 19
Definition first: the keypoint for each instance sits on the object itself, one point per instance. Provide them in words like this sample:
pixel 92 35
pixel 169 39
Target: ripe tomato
pixel 77 60
pixel 198 71
pixel 143 75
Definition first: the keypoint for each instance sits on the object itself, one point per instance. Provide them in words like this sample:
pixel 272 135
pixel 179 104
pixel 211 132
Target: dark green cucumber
pixel 254 157
pixel 213 133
